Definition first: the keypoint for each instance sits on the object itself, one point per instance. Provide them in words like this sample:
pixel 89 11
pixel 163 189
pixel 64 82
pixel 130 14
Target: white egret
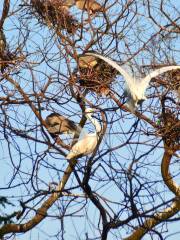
pixel 87 144
pixel 58 124
pixel 135 88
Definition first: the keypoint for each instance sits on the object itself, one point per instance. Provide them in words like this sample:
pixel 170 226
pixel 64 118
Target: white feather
pixel 135 88
pixel 86 145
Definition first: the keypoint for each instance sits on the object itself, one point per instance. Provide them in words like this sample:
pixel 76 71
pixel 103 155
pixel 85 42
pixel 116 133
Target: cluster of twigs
pixel 7 57
pixel 94 75
pixel 175 80
pixel 53 13
pixel 170 128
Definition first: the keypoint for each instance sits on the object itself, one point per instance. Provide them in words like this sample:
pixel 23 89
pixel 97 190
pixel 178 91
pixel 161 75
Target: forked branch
pixel 169 211
pixel 41 213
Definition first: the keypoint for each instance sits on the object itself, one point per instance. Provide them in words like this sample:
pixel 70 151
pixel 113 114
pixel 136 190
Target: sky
pixel 43 163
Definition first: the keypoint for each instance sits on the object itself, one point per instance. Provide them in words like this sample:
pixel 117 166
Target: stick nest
pixel 175 80
pixel 7 57
pixel 54 13
pixel 170 128
pixel 93 74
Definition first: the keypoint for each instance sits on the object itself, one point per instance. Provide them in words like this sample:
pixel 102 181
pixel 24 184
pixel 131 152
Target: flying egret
pixel 87 144
pixel 135 88
pixel 58 124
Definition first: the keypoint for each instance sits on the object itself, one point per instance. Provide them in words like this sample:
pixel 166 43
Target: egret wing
pixel 145 81
pixel 128 78
pixel 83 147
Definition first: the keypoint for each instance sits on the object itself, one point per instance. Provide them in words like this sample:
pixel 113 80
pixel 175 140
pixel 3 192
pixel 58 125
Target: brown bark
pixel 167 212
pixel 156 219
pixel 41 213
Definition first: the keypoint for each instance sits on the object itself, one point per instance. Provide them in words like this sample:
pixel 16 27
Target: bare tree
pixel 128 187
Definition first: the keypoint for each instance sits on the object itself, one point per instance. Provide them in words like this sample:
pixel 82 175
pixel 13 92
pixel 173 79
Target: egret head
pixel 89 110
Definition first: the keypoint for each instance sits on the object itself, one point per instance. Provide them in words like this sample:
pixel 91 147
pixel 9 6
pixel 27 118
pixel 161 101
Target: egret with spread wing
pixel 58 124
pixel 88 144
pixel 135 88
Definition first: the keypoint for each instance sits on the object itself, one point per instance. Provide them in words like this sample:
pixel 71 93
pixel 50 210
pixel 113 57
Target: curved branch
pixel 34 109
pixel 41 213
pixel 168 212
pixel 171 184
pixel 155 220
pixel 4 12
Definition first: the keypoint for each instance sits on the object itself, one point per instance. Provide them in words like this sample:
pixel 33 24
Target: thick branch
pixel 168 212
pixel 156 219
pixel 4 12
pixel 41 213
pixel 166 174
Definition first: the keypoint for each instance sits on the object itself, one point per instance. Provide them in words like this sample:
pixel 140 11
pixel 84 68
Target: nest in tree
pixel 93 74
pixel 175 80
pixel 170 128
pixel 55 13
pixel 6 57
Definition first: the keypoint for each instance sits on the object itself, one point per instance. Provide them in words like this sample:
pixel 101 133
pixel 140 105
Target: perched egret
pixel 87 144
pixel 58 124
pixel 135 88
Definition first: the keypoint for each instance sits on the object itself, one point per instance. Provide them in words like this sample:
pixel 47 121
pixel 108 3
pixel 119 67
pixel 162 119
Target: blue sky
pixel 43 163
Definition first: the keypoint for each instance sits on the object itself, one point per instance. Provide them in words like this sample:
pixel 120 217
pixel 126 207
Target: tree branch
pixel 4 12
pixel 156 219
pixel 41 213
pixel 168 212
pixel 171 184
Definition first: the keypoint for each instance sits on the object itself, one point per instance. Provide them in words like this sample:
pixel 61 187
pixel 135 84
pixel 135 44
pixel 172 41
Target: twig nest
pixel 6 57
pixel 55 12
pixel 93 74
pixel 170 128
pixel 175 81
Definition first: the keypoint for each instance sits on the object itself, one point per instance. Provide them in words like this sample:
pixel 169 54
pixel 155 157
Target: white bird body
pixel 87 144
pixel 84 147
pixel 135 88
